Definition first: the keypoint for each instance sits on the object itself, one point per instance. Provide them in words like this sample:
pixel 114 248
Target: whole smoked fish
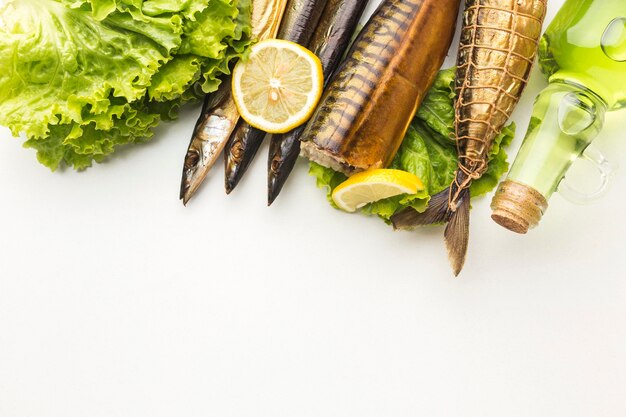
pixel 366 110
pixel 498 47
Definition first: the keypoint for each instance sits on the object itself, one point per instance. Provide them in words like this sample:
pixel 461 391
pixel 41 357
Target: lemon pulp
pixel 374 185
pixel 278 87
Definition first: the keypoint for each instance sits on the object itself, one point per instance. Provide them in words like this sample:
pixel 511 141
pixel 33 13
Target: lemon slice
pixel 279 86
pixel 370 186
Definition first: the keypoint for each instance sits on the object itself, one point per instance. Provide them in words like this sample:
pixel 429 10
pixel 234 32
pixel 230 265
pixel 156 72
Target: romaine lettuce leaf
pixel 429 152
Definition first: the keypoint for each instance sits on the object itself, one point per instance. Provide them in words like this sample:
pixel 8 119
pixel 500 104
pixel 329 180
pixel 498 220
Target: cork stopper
pixel 517 206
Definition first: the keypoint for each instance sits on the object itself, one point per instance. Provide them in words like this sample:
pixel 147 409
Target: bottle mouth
pixel 518 207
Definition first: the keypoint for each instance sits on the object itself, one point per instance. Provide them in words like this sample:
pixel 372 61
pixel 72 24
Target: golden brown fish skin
pixel 267 16
pixel 219 114
pixel 497 51
pixel 368 106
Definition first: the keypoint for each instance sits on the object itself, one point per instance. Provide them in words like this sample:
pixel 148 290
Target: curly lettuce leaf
pixel 59 61
pixel 175 78
pixel 421 154
pixel 216 66
pixel 326 179
pixel 437 108
pixel 498 163
pixel 429 152
pixel 80 77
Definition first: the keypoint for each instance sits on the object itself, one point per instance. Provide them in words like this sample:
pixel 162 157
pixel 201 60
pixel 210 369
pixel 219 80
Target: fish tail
pixel 451 206
pixel 457 231
pixel 436 213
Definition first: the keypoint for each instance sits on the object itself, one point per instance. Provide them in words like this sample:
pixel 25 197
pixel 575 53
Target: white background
pixel 115 300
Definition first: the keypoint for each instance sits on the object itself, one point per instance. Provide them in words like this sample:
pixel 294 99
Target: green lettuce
pixel 80 77
pixel 428 151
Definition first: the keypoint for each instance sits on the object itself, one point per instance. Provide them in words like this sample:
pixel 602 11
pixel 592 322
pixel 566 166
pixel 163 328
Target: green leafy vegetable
pixel 429 151
pixel 326 178
pixel 80 77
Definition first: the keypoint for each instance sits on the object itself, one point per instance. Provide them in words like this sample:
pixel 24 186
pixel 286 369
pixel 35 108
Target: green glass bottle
pixel 583 53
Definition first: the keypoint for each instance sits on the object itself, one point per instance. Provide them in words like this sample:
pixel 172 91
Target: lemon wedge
pixel 279 86
pixel 374 185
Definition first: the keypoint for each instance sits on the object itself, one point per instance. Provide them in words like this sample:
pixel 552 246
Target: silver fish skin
pixel 217 121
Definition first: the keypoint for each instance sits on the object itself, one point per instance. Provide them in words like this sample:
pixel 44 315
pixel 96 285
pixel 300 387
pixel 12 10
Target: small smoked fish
pixel 329 43
pixel 368 106
pixel 299 22
pixel 219 114
pixel 498 47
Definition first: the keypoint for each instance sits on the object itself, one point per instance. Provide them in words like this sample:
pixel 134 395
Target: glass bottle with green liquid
pixel 583 53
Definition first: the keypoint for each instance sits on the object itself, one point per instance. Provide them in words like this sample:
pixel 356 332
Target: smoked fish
pixel 372 98
pixel 498 46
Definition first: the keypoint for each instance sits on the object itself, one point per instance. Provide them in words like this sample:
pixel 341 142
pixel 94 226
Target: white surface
pixel 115 300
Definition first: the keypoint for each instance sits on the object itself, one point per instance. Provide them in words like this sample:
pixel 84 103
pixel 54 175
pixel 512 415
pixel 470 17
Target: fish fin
pixel 437 212
pixel 457 232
